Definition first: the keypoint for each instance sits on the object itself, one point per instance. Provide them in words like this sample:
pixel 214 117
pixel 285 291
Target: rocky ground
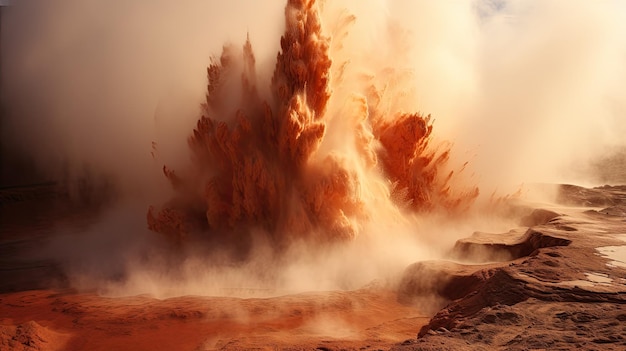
pixel 557 282
pixel 560 285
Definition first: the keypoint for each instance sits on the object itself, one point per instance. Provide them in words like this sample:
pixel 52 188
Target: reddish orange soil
pixel 36 316
pixel 51 320
pixel 544 285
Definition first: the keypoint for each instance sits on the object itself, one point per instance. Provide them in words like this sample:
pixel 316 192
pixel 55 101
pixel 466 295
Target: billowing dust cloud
pixel 315 128
pixel 261 165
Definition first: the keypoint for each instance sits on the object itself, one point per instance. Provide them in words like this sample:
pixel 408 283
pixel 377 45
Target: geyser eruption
pixel 264 163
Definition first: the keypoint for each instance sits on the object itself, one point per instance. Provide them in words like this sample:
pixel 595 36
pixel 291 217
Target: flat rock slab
pixel 568 292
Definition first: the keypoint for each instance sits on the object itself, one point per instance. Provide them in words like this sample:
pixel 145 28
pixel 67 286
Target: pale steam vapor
pixel 530 91
pixel 91 83
pixel 523 91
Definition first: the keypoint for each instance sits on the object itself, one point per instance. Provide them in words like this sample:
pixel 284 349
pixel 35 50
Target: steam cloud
pixel 523 90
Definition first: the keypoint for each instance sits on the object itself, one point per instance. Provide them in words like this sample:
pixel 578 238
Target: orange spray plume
pixel 260 167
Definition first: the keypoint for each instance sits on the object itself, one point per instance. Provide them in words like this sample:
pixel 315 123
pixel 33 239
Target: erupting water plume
pixel 262 166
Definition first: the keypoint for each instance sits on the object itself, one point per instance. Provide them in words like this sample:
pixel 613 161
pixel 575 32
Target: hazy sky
pixel 524 90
